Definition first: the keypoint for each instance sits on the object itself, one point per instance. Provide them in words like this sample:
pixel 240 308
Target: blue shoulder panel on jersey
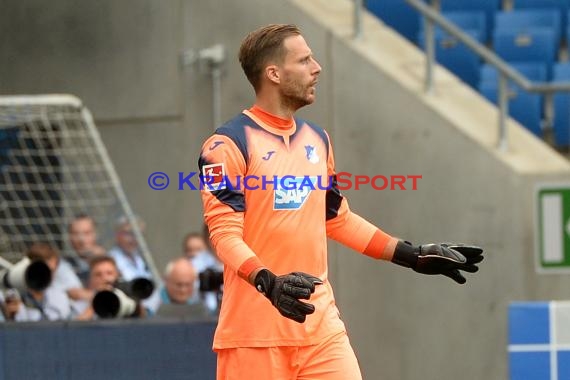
pixel 235 130
pixel 314 127
pixel 230 197
pixel 333 200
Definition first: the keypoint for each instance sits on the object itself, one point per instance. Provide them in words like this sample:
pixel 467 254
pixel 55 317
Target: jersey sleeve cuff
pixel 377 246
pixel 249 266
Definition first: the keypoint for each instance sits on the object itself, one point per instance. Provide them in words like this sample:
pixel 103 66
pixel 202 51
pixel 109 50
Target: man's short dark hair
pixel 42 251
pixel 81 217
pixel 191 235
pixel 261 46
pixel 102 259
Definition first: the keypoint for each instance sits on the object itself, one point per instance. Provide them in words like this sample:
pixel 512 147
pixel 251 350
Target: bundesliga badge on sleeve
pixel 214 177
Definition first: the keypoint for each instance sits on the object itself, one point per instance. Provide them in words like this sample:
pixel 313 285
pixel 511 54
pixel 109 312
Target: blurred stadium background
pixel 158 76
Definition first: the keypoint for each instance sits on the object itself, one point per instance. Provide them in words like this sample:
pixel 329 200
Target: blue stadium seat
pixel 562 71
pixel 466 20
pixel 523 107
pixel 562 107
pixel 562 6
pixel 489 7
pixel 525 20
pixel 567 30
pixel 455 56
pixel 536 45
pixel 398 15
pixel 536 72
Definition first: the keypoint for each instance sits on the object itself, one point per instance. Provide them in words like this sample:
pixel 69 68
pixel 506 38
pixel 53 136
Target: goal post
pixel 53 167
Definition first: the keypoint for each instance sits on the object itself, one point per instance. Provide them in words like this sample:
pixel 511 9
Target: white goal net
pixel 53 167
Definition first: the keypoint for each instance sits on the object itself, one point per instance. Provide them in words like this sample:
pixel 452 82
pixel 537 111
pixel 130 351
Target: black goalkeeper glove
pixel 285 291
pixel 446 259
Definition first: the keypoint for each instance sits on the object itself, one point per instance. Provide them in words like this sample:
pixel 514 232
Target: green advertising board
pixel 552 234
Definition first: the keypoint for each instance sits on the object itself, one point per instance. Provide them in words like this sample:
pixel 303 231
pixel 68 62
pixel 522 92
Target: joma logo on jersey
pixel 291 193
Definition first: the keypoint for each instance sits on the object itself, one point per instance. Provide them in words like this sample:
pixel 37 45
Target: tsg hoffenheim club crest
pixel 312 154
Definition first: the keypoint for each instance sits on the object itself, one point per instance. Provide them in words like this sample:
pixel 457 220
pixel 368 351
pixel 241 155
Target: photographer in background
pixel 83 239
pixel 111 297
pixel 179 295
pixel 103 273
pixel 63 275
pixel 51 303
pixel 12 308
pixel 126 251
pixel 196 249
pixel 179 283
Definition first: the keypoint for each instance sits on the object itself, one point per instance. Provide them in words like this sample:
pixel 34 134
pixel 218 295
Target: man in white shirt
pixel 126 252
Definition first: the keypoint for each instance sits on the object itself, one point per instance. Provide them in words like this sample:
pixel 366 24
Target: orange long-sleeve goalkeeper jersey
pixel 261 211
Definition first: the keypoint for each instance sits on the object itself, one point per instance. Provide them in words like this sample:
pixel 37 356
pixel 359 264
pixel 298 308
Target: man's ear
pixel 272 73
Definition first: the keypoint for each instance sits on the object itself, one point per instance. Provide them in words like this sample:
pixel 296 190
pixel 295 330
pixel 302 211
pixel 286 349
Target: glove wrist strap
pixel 264 282
pixel 405 255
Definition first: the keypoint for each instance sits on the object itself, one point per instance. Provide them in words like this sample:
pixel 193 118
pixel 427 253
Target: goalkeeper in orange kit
pixel 278 318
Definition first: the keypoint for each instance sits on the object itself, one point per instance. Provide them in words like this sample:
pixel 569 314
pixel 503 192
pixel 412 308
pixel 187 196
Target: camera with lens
pixel 26 274
pixel 211 280
pixel 19 278
pixel 123 301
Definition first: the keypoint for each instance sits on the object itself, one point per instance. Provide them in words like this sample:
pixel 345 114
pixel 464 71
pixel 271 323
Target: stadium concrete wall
pixel 123 60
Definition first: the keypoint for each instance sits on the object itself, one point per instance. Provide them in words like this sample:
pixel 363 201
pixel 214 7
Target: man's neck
pixel 274 106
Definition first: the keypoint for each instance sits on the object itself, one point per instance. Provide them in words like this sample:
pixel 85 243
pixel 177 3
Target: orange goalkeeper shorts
pixel 332 359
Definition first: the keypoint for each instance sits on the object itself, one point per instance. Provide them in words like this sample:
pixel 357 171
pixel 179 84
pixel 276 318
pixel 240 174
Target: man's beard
pixel 295 97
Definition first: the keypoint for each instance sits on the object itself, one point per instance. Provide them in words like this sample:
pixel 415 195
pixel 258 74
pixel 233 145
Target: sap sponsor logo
pixel 292 192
